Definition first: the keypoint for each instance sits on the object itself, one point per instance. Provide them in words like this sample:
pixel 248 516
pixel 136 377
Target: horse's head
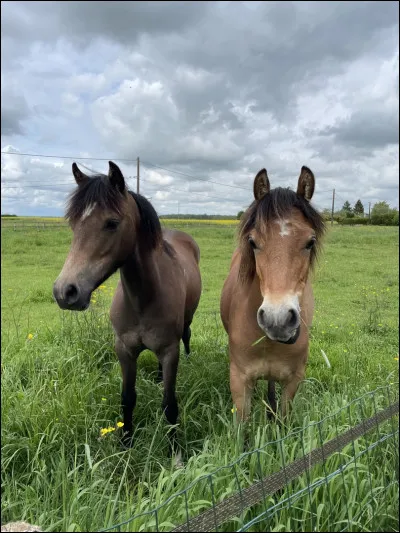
pixel 104 220
pixel 279 237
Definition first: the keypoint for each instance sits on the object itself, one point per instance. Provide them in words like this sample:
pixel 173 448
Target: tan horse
pixel 160 283
pixel 268 295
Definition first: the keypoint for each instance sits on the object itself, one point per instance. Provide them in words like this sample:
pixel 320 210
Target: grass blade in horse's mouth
pixel 259 340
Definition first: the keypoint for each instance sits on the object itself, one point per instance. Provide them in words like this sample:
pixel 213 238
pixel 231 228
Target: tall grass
pixel 61 384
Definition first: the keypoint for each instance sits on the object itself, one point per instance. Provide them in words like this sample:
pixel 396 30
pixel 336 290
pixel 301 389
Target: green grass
pixel 60 387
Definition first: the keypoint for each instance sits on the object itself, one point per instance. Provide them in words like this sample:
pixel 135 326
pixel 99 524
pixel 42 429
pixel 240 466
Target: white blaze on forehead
pixel 88 211
pixel 284 227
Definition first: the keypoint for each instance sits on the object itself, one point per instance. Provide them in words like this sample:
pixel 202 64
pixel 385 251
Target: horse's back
pixel 188 256
pixel 183 243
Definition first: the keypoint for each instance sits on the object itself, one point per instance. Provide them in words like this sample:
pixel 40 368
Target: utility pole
pixel 369 212
pixel 333 206
pixel 137 175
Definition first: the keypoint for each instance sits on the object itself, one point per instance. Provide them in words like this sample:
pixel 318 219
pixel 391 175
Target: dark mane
pixel 278 203
pixel 150 228
pixel 98 189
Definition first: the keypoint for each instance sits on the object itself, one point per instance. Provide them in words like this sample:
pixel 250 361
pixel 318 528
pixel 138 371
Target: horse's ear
pixel 79 176
pixel 261 184
pixel 115 176
pixel 306 183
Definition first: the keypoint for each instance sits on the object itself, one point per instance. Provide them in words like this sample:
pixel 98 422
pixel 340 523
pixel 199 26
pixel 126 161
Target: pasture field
pixel 61 385
pixel 21 222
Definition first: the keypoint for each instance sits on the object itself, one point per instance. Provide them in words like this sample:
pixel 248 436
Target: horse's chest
pixel 269 367
pixel 146 331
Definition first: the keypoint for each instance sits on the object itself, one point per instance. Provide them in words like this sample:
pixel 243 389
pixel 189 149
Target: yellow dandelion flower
pixel 396 358
pixel 102 287
pixel 345 351
pixel 104 399
pixel 120 424
pixel 350 332
pixel 103 432
pixel 233 410
pixel 30 337
pixel 111 428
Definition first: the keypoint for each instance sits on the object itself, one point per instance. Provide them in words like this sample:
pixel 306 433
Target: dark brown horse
pixel 160 283
pixel 268 293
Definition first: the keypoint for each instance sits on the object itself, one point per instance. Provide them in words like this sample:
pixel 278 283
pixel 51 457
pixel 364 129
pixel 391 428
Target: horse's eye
pixel 252 243
pixel 111 224
pixel 310 244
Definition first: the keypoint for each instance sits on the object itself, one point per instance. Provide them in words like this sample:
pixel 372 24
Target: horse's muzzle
pixel 292 339
pixel 281 323
pixel 70 296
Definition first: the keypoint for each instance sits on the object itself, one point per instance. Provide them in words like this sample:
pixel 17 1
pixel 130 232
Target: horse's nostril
pixel 292 318
pixel 261 317
pixel 71 294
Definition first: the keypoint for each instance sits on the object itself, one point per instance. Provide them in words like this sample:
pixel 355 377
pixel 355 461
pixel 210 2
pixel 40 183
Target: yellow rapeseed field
pixel 198 221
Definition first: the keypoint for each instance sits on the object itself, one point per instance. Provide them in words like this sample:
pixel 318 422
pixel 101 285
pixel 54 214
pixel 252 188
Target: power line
pixel 68 157
pixel 146 163
pixel 121 160
pixel 195 178
pixel 170 189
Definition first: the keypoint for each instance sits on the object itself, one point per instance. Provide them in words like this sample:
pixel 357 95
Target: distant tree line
pixel 381 214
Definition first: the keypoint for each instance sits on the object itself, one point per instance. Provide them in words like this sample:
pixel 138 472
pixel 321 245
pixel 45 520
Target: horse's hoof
pixel 127 440
pixel 177 462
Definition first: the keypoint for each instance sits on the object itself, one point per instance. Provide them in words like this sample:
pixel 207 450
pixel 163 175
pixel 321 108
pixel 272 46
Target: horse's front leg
pixel 242 391
pixel 128 359
pixel 289 390
pixel 169 359
pixel 271 396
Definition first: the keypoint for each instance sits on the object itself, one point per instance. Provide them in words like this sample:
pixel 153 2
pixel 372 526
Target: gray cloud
pixel 367 130
pixel 215 90
pixel 14 109
pixel 80 22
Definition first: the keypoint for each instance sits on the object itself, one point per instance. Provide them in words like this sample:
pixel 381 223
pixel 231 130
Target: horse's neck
pixel 140 277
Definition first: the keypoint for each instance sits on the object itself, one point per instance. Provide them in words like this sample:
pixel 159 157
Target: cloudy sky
pixel 205 93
